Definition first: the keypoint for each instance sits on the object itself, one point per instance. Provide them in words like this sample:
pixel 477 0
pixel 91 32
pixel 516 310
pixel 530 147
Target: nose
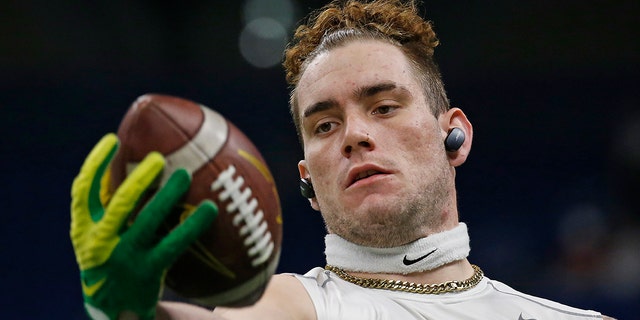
pixel 356 139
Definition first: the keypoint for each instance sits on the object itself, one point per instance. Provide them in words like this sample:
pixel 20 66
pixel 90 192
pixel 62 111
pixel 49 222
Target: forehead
pixel 337 73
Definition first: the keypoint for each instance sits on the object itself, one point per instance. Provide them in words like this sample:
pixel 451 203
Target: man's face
pixel 373 149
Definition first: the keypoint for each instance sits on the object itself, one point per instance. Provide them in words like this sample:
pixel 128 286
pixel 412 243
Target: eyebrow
pixel 368 91
pixel 362 92
pixel 319 107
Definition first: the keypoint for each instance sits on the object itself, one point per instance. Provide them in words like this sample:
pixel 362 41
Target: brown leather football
pixel 233 261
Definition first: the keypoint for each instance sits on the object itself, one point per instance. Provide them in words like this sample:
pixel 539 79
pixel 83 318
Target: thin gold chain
pixel 397 285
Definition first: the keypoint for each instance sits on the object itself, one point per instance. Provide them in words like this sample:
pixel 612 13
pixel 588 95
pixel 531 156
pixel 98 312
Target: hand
pixel 122 268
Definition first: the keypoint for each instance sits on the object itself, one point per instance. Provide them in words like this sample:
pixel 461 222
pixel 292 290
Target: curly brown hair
pixel 393 21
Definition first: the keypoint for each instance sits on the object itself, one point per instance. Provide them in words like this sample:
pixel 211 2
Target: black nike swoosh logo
pixel 408 262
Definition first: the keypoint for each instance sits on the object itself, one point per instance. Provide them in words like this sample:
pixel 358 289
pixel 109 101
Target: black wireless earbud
pixel 306 189
pixel 454 139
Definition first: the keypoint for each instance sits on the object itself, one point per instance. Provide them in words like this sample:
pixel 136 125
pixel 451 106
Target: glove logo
pixel 90 290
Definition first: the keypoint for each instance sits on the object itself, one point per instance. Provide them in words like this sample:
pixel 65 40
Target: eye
pixel 384 109
pixel 324 127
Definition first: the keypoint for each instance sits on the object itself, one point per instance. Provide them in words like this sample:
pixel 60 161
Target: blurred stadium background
pixel 549 191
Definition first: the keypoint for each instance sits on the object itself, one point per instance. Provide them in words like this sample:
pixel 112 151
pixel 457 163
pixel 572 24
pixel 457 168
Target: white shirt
pixel 335 298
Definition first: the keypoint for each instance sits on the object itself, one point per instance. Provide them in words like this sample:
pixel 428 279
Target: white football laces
pixel 243 205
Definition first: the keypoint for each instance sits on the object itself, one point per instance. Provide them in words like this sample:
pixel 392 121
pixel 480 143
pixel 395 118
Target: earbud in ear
pixel 454 140
pixel 306 188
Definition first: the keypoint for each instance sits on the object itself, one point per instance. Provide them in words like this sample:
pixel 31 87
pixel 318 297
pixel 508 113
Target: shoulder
pixel 533 305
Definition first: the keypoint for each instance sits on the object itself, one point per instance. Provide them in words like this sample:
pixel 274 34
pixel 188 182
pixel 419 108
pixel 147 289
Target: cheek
pixel 422 144
pixel 317 163
pixel 420 136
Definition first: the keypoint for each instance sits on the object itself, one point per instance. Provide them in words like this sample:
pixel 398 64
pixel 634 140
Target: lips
pixel 358 173
pixel 365 174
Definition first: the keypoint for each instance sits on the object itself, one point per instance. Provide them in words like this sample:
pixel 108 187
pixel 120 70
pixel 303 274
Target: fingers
pixel 85 199
pixel 176 242
pixel 130 191
pixel 152 215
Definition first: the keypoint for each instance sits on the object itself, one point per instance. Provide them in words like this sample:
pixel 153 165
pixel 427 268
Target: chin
pixel 381 229
pixel 382 237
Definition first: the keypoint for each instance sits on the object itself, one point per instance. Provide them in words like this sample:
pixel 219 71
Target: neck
pixel 442 253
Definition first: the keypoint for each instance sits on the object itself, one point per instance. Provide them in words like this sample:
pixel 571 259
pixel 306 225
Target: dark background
pixel 549 191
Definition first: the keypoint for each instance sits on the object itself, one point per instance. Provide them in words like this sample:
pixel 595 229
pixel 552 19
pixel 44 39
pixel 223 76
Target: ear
pixel 304 174
pixel 455 118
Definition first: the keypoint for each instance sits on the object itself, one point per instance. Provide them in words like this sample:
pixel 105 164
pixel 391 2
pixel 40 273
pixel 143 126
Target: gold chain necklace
pixel 397 285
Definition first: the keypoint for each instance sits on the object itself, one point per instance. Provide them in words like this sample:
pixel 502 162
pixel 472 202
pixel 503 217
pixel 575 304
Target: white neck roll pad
pixel 421 255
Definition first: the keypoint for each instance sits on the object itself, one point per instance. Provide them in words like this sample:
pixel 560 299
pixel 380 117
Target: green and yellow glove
pixel 122 269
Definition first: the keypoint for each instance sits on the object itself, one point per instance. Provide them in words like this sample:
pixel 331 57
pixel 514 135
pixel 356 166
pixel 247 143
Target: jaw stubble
pixel 399 221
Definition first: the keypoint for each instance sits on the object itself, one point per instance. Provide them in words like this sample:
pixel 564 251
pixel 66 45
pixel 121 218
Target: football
pixel 232 262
